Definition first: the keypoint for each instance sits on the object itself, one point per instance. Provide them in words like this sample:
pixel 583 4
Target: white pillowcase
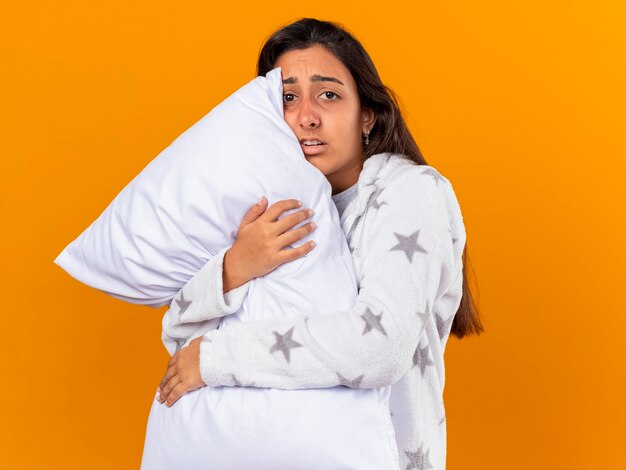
pixel 187 203
pixel 183 208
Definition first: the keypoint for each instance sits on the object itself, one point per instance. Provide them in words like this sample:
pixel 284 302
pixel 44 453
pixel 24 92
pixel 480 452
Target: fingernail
pixel 299 203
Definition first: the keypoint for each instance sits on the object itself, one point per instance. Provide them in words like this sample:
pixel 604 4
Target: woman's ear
pixel 368 118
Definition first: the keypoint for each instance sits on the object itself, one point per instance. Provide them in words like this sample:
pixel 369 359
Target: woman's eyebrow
pixel 313 78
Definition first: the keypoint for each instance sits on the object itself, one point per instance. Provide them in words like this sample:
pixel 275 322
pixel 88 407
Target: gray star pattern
pixel 372 322
pixel 180 342
pixel 408 244
pixel 182 304
pixel 434 173
pixel 238 383
pixel 418 460
pixel 350 383
pixel 443 326
pixel 423 316
pixel 284 343
pixel 422 359
pixel 454 240
pixel 378 204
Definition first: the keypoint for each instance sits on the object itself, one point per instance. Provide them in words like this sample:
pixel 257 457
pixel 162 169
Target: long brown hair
pixel 389 134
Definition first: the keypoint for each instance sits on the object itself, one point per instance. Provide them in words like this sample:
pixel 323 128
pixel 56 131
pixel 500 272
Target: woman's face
pixel 321 103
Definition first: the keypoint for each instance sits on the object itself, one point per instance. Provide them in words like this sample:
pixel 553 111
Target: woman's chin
pixel 317 162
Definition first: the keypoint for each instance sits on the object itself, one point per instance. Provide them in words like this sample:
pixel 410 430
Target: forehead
pixel 315 60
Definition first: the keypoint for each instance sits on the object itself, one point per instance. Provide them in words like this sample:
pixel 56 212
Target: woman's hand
pixel 261 241
pixel 183 373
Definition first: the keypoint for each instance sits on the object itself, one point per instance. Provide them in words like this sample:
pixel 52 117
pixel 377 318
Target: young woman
pixel 404 228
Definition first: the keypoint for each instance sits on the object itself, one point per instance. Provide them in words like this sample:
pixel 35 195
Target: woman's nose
pixel 309 117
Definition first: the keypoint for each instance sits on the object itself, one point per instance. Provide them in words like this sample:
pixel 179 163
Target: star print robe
pixel 406 233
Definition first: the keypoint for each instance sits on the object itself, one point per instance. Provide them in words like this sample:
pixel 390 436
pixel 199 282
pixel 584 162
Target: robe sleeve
pixel 408 262
pixel 200 304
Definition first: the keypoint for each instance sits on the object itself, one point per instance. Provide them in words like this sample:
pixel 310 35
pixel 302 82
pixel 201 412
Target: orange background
pixel 520 104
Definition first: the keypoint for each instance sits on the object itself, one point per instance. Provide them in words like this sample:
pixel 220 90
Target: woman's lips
pixel 313 149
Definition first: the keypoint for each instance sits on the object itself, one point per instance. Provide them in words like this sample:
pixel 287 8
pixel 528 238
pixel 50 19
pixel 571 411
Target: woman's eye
pixel 286 95
pixel 329 93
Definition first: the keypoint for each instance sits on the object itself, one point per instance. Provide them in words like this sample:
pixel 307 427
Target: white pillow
pixel 187 203
pixel 183 208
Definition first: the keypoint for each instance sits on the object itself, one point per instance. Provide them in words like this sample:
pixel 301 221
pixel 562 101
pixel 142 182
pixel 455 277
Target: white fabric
pixel 406 233
pixel 248 428
pixel 174 217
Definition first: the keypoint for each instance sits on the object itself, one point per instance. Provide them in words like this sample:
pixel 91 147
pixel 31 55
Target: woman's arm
pixel 408 261
pixel 206 296
pixel 220 287
pixel 202 299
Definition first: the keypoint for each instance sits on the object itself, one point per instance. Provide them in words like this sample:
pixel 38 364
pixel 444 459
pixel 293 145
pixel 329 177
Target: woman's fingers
pixel 169 373
pixel 173 390
pixel 279 207
pixel 254 212
pixel 292 236
pixel 289 221
pixel 165 394
pixel 178 391
pixel 172 360
pixel 167 385
pixel 291 254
